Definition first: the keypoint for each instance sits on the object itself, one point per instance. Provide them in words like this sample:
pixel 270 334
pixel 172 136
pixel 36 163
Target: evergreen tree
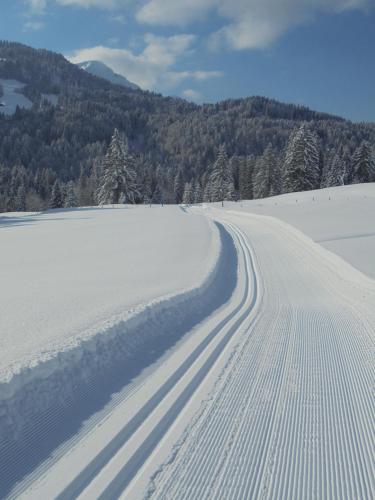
pixel 246 170
pixel 207 197
pixel 222 187
pixel 20 201
pixel 276 179
pixel 363 166
pixel 56 200
pixel 264 179
pixel 178 187
pixel 119 182
pixel 198 195
pixel 301 166
pixel 158 196
pixel 71 199
pixel 188 197
pixel 336 172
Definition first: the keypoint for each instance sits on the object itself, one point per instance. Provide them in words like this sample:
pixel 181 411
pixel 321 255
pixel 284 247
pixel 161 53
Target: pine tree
pixel 56 200
pixel 207 198
pixel 264 176
pixel 188 197
pixel 20 201
pixel 158 196
pixel 222 187
pixel 178 187
pixel 119 181
pixel 247 166
pixel 336 172
pixel 276 185
pixel 71 199
pixel 198 195
pixel 301 166
pixel 363 166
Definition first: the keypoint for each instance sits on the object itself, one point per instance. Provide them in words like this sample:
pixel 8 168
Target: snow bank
pixel 341 219
pixel 65 274
pixel 39 392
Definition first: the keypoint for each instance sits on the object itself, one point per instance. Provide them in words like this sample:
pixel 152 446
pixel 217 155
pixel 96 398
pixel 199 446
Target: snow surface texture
pixel 37 399
pixel 70 274
pixel 266 394
pixel 12 98
pixel 342 219
pixel 291 414
pixel 271 397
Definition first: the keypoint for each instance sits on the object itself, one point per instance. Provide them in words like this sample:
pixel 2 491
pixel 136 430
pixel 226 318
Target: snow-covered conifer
pixel 363 164
pixel 56 200
pixel 336 172
pixel 71 199
pixel 158 196
pixel 20 201
pixel 178 187
pixel 119 180
pixel 207 192
pixel 188 197
pixel 302 162
pixel 198 195
pixel 222 187
pixel 267 176
pixel 246 170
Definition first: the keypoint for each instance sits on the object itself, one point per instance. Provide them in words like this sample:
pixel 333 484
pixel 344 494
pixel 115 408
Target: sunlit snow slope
pixel 342 219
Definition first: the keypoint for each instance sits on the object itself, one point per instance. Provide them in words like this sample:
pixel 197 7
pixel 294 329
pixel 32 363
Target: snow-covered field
pixel 341 219
pixel 256 383
pixel 71 274
pixel 12 98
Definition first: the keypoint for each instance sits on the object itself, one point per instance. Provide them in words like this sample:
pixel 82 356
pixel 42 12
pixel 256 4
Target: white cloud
pixel 248 23
pixel 39 6
pixel 36 6
pixel 192 95
pixel 33 26
pixel 103 4
pixel 174 12
pixel 153 67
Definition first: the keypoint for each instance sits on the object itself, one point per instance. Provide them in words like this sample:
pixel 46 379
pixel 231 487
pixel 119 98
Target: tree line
pixel 119 176
pixel 174 145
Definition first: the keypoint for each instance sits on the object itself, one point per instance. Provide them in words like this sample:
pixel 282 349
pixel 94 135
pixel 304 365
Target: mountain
pixel 65 132
pixel 101 70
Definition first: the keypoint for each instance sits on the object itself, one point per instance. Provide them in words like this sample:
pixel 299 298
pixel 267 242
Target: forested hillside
pixel 59 145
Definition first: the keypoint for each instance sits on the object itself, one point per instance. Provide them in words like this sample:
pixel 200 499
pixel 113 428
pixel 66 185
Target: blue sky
pixel 318 53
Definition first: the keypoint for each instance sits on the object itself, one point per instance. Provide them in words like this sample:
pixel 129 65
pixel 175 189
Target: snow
pixel 51 98
pixel 12 98
pixel 186 369
pixel 68 272
pixel 341 219
pixel 270 397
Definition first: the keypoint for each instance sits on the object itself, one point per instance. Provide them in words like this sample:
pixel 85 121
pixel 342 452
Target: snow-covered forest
pixel 55 155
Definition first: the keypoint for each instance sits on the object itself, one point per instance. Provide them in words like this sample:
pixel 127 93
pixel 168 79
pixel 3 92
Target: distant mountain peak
pixel 97 68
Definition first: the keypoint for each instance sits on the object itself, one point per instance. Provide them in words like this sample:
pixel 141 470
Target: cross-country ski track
pixel 271 396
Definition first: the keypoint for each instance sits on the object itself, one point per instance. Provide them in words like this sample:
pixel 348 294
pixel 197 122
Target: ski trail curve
pixel 111 469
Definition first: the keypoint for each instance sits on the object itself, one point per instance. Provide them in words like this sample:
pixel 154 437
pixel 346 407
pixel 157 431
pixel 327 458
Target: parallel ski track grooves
pixel 302 427
pixel 123 479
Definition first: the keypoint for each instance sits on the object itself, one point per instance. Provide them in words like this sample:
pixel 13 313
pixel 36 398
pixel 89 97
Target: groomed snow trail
pixel 292 414
pixel 106 462
pixel 270 397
